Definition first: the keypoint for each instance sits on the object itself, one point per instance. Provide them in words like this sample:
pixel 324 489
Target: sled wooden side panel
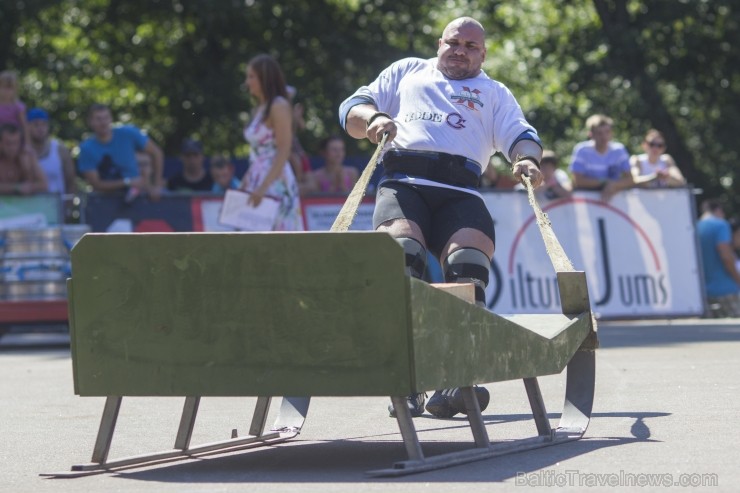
pixel 240 315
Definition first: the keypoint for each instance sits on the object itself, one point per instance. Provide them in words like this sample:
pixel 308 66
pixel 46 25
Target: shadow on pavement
pixel 347 460
pixel 512 418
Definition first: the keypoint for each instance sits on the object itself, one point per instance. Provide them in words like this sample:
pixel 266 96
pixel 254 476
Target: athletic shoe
pixel 415 403
pixel 449 402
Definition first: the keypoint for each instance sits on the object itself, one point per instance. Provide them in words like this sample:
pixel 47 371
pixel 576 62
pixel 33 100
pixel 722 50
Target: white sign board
pixel 319 213
pixel 638 252
pixel 236 213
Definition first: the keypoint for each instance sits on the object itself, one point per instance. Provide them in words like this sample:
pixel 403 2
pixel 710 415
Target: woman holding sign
pixel 270 135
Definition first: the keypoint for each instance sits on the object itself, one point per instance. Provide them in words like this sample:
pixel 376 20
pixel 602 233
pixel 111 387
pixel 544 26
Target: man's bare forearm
pixel 357 120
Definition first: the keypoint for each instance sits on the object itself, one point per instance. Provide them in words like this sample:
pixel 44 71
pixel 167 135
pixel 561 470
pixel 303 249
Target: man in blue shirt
pixel 721 278
pixel 108 161
pixel 599 163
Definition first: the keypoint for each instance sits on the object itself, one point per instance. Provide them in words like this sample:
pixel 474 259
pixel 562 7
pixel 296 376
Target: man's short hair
pixel 711 205
pixel 8 128
pixel 95 107
pixel 595 121
pixel 549 156
pixel 220 162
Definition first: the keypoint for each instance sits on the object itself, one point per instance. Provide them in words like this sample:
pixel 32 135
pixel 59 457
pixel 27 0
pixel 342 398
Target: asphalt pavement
pixel 666 398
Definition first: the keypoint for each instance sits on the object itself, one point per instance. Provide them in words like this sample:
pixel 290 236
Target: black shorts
pixel 439 212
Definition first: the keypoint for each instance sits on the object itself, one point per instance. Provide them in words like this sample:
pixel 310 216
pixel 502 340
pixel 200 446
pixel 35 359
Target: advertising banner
pixel 319 213
pixel 638 251
pixel 30 211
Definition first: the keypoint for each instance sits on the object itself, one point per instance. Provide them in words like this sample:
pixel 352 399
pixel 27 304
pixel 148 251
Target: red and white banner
pixel 639 250
pixel 639 253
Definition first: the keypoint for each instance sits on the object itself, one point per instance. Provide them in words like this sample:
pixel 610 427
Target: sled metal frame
pixel 292 412
pixel 573 424
pixel 574 419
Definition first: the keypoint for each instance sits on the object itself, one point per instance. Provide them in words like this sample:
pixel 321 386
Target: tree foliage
pixel 176 67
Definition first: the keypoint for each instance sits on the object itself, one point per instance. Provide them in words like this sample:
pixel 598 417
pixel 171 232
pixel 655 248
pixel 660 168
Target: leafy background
pixel 176 68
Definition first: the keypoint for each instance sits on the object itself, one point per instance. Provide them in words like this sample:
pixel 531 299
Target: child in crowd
pixel 12 109
pixel 222 173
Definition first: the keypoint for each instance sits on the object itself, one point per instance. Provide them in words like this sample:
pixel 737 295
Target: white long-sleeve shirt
pixel 473 117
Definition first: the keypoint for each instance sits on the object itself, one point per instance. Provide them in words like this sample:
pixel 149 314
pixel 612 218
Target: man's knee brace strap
pixel 469 265
pixel 416 257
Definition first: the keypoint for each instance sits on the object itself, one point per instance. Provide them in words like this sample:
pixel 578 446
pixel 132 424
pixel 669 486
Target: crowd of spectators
pixel 124 158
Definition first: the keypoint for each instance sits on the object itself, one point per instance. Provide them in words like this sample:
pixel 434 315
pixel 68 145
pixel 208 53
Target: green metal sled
pixel 304 314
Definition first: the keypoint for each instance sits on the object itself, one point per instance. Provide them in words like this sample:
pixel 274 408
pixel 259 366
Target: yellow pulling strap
pixel 349 209
pixel 555 251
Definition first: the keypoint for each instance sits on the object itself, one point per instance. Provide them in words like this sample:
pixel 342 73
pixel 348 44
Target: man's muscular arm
pixel 525 157
pixel 380 123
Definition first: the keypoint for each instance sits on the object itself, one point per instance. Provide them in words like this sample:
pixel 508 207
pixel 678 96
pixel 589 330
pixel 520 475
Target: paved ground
pixel 667 396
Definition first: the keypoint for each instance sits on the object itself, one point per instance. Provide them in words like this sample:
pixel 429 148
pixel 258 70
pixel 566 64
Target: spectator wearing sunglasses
pixel 601 163
pixel 654 168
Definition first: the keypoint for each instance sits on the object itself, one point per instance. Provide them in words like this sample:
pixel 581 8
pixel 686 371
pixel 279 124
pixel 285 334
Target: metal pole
pixel 538 407
pixel 408 432
pixel 187 423
pixel 107 426
pixel 259 418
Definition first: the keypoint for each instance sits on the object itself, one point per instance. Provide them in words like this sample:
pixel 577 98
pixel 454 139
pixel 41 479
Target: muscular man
pixel 444 118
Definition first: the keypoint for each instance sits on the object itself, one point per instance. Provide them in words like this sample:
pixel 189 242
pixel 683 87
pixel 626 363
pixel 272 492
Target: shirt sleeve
pixel 624 162
pixel 562 178
pixel 724 233
pixel 138 137
pixel 508 121
pixel 86 160
pixel 383 91
pixel 577 163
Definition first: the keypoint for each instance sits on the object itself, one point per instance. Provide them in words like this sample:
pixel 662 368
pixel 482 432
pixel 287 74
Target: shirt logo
pixel 423 115
pixel 455 120
pixel 468 98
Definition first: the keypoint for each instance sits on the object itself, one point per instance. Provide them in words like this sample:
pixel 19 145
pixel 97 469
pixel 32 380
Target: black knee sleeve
pixel 416 257
pixel 469 265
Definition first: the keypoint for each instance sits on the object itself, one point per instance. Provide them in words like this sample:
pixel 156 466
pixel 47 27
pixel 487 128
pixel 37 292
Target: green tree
pixel 176 67
pixel 661 64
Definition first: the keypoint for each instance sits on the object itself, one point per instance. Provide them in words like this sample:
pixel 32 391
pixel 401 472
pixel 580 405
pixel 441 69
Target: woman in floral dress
pixel 270 136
